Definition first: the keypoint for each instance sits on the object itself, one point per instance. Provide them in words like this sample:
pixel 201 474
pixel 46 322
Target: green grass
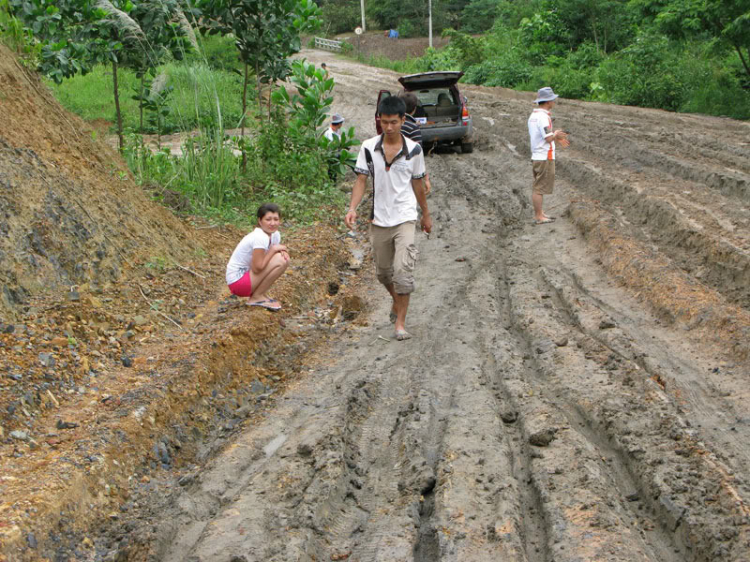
pixel 193 104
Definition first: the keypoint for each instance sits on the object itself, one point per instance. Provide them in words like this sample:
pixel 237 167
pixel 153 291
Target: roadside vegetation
pixel 157 67
pixel 676 55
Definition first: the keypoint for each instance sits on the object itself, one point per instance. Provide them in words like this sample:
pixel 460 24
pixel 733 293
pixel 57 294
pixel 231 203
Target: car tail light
pixel 465 113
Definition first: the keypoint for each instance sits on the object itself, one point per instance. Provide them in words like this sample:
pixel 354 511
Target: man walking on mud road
pixel 543 139
pixel 396 166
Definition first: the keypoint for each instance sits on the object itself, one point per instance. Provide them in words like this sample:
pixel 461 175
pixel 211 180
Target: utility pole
pixel 362 3
pixel 429 3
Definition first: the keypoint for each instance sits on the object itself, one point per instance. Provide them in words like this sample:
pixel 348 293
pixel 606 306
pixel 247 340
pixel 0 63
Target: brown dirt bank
pixel 142 397
pixel 69 212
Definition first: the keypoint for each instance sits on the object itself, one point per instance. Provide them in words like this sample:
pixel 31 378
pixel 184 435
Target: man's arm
pixel 418 186
pixel 358 192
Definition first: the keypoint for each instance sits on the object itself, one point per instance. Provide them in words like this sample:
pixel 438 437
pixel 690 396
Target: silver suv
pixel 442 112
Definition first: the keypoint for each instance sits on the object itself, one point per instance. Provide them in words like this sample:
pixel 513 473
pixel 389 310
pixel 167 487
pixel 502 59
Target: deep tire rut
pixel 541 413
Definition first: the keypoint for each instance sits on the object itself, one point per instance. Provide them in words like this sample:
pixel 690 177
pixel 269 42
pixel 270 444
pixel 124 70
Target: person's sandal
pixel 268 304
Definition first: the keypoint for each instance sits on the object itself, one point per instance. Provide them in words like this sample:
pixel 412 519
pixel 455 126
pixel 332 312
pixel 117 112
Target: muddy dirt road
pixel 575 391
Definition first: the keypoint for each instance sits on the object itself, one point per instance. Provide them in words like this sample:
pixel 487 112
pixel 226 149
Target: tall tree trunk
pixel 259 86
pixel 140 105
pixel 270 90
pixel 120 137
pixel 244 116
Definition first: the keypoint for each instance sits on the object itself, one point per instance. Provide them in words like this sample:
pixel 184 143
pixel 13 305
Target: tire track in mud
pixel 537 415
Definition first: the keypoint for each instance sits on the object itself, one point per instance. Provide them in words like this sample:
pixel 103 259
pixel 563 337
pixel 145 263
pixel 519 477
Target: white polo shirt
pixel 540 126
pixel 394 201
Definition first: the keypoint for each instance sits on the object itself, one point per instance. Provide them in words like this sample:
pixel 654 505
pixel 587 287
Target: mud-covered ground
pixel 575 391
pixel 375 43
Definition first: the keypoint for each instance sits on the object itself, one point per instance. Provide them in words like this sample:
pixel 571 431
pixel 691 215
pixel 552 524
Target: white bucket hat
pixel 545 94
pixel 336 119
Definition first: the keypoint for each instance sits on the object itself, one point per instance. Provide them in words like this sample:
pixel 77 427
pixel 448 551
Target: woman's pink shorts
pixel 243 287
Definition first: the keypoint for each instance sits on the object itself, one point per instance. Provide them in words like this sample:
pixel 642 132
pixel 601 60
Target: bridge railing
pixel 327 44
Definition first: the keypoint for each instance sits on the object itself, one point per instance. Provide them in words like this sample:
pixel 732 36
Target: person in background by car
pixel 332 132
pixel 543 139
pixel 396 166
pixel 411 129
pixel 259 260
pixel 324 68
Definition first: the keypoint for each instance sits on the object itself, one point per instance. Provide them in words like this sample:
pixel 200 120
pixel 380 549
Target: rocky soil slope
pixel 69 212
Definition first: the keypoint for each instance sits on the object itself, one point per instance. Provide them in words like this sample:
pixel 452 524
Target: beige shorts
pixel 544 176
pixel 395 255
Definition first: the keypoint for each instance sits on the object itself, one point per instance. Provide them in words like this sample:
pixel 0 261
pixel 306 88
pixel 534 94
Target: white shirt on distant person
pixel 330 134
pixel 540 126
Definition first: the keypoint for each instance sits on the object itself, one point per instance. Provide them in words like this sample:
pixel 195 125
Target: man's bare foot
pixel 402 335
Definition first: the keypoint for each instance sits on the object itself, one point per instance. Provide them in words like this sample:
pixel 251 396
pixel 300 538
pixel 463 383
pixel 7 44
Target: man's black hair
pixel 392 105
pixel 410 100
pixel 266 208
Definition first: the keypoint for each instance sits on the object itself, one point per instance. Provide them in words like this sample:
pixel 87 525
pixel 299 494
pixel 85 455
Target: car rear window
pixel 430 97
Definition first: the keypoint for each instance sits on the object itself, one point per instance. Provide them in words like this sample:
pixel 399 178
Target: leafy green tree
pixel 466 50
pixel 166 34
pixel 339 16
pixel 397 14
pixel 479 15
pixel 68 31
pixel 77 34
pixel 307 112
pixel 266 33
pixel 725 21
pixel 605 22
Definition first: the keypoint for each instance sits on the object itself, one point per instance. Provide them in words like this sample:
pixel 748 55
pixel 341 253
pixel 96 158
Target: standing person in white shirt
pixel 543 140
pixel 396 166
pixel 332 132
pixel 259 260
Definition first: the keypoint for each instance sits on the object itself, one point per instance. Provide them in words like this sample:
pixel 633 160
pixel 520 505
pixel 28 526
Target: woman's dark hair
pixel 411 101
pixel 266 208
pixel 392 105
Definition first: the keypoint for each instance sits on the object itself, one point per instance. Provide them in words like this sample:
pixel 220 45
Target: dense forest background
pixel 680 55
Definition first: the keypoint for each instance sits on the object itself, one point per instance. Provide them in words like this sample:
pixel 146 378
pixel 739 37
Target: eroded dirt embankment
pixel 122 358
pixel 69 212
pixel 166 382
pixel 564 399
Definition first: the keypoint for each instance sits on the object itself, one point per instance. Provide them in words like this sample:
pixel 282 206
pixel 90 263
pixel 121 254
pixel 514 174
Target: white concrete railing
pixel 327 44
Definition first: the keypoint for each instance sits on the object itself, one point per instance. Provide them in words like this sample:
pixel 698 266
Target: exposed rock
pixel 47 360
pixel 543 438
pixel 19 435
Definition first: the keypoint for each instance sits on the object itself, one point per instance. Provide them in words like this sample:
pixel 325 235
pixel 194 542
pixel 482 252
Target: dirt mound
pixel 376 44
pixel 69 212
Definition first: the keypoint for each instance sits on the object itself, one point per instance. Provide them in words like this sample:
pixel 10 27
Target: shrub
pixel 644 74
pixel 507 71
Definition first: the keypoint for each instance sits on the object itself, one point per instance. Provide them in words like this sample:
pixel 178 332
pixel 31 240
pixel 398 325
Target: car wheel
pixel 467 147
